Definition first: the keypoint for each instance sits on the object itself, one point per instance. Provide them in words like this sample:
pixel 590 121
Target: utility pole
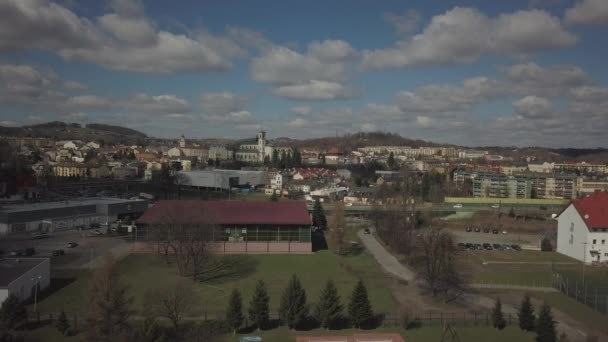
pixel 37 281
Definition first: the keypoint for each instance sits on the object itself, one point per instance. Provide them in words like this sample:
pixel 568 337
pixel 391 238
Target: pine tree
pixel 545 245
pixel 498 320
pixel 258 307
pixel 62 323
pixel 274 197
pixel 526 314
pixel 234 315
pixel 329 308
pixel 293 308
pixel 318 216
pixel 545 325
pixel 390 162
pixel 12 312
pixel 109 307
pixel 359 309
pixel 275 158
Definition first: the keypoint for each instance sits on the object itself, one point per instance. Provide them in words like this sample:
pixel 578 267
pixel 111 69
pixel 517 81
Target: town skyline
pixel 526 73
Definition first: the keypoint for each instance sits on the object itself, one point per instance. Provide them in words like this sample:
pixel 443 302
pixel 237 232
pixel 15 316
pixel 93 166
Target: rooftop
pixel 227 212
pixel 593 209
pixel 11 208
pixel 13 268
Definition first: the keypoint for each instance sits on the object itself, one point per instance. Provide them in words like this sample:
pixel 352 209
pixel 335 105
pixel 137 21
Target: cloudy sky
pixel 466 72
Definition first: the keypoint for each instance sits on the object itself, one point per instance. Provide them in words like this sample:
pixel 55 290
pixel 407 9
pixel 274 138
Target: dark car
pixel 487 246
pixel 516 247
pixel 469 229
pixel 486 230
pixel 478 246
pixel 495 231
pixel 29 251
pixel 477 230
pixel 58 252
pixel 39 235
pixel 468 245
pixel 72 244
pixel 366 231
pixel 497 247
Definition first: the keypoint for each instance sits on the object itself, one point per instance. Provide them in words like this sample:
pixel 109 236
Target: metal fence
pixel 582 291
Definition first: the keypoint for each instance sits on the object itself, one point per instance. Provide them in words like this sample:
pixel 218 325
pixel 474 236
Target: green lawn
pixel 144 272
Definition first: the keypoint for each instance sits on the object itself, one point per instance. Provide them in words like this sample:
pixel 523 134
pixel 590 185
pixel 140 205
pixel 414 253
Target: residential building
pixel 70 169
pixel 587 186
pixel 472 154
pixel 555 186
pixel 541 168
pixel 24 278
pixel 582 229
pixel 513 169
pixel 220 153
pixel 501 186
pixel 124 172
pixel 188 150
pixel 225 179
pixel 234 227
pixel 276 182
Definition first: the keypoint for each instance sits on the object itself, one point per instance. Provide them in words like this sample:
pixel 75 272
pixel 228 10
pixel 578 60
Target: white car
pixel 495 206
pixel 349 204
pixel 457 206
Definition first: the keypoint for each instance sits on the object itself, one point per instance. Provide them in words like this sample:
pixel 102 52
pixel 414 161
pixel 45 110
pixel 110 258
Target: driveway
pixel 384 258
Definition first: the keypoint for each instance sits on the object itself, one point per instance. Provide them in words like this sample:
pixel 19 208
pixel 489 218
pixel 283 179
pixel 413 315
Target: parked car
pixel 497 247
pixel 487 246
pixel 477 230
pixel 478 246
pixel 366 231
pixel 72 244
pixel 58 252
pixel 506 247
pixel 469 229
pixel 495 231
pixel 349 204
pixel 495 206
pixel 486 230
pixel 468 245
pixel 17 252
pixel 504 232
pixel 457 206
pixel 97 232
pixel 516 247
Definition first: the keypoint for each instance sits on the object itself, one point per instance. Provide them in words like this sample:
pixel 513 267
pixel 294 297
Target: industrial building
pixel 238 227
pixel 69 214
pixel 224 179
pixel 24 277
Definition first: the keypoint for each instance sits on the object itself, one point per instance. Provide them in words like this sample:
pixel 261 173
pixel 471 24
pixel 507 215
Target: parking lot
pixel 89 247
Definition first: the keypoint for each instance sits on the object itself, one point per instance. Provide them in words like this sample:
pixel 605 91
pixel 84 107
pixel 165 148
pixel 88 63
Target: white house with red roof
pixel 582 229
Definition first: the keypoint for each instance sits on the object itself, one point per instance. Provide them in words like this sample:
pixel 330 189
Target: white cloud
pixel 462 35
pixel 315 91
pixel 124 40
pixel 530 78
pixel 590 12
pixel 218 104
pixel 73 85
pixel 90 102
pixel 162 104
pixel 331 50
pixel 532 107
pixel 298 123
pixel 8 123
pixel 300 110
pixel 404 24
pixel 424 121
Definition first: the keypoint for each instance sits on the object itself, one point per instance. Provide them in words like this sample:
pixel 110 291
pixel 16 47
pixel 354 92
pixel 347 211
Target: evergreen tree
pixel 498 319
pixel 293 308
pixel 283 160
pixel 109 307
pixel 62 323
pixel 526 314
pixel 390 162
pixel 234 315
pixel 545 245
pixel 545 325
pixel 329 308
pixel 274 197
pixel 297 158
pixel 275 158
pixel 359 309
pixel 258 307
pixel 12 313
pixel 318 216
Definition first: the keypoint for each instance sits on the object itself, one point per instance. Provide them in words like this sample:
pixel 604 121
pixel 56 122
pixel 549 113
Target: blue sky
pixel 463 72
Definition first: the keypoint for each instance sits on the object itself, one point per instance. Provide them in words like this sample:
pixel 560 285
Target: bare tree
pixel 180 179
pixel 171 302
pixel 435 263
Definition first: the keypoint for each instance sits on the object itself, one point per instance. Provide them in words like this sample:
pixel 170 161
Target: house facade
pixel 582 229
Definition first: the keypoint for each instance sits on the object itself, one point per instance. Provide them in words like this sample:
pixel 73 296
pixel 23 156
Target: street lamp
pixel 37 280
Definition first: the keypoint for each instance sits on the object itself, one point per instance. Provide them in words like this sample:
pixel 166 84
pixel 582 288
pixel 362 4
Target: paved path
pixel 513 287
pixel 384 258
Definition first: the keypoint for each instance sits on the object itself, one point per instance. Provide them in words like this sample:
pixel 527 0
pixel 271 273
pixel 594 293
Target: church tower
pixel 261 145
pixel 182 142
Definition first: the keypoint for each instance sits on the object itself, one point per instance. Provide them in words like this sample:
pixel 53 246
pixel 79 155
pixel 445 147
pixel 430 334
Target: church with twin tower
pixel 256 150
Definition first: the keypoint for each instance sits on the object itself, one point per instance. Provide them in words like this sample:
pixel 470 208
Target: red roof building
pixel 593 209
pixel 235 227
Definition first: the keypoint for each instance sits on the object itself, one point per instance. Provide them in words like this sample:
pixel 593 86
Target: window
pixel 572 226
pixel 571 239
pixel 603 242
pixel 594 241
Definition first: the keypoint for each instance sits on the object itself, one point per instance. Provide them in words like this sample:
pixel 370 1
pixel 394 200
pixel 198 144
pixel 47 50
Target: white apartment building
pixel 582 229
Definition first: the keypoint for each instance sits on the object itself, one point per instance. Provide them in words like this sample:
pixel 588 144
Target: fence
pixel 582 291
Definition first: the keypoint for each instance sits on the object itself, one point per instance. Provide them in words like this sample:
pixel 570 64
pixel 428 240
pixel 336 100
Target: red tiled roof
pixel 227 212
pixel 593 209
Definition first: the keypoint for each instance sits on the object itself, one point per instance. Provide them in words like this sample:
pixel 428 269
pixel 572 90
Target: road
pixel 384 258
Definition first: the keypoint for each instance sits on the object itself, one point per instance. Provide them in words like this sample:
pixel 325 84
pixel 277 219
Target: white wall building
pixel 582 229
pixel 24 277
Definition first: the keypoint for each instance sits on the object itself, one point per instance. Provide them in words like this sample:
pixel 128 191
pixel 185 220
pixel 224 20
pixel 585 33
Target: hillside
pixel 107 134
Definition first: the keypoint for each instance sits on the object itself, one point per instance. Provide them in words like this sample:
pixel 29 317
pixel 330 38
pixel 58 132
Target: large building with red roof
pixel 235 227
pixel 582 230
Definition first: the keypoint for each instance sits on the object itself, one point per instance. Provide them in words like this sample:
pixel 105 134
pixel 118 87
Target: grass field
pixel 525 268
pixel 145 272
